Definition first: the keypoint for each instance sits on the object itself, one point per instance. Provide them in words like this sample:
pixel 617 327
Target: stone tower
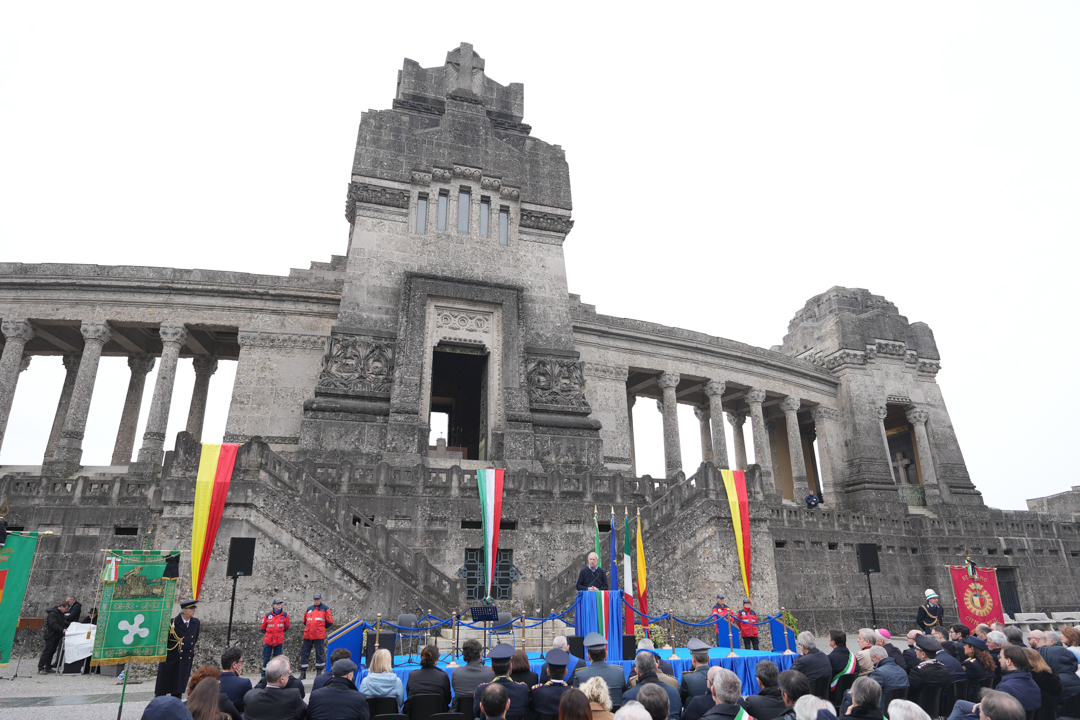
pixel 455 297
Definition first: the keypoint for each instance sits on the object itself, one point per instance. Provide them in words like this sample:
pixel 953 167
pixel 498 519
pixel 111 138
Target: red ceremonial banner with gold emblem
pixel 977 598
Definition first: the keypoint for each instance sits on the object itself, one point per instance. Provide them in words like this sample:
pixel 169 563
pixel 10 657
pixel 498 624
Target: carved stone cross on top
pixel 468 61
pixel 901 463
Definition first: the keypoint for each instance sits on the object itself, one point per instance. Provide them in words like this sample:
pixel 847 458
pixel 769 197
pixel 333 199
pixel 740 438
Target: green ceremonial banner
pixel 16 559
pixel 135 613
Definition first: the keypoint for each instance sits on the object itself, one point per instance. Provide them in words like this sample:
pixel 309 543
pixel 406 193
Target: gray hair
pixel 645 662
pixel 869 635
pixel 807 640
pixel 878 653
pixel 277 668
pixel 560 642
pixel 594 555
pixel 655 699
pixel 596 690
pixel 727 688
pixel 1015 635
pixel 866 692
pixel 906 710
pixel 645 644
pixel 632 710
pixel 713 672
pixel 998 638
pixel 1054 637
pixel 806 707
pixel 996 704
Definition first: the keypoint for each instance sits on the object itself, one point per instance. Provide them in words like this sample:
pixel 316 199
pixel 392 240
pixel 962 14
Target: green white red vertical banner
pixel 490 484
pixel 211 488
pixel 16 561
pixel 735 486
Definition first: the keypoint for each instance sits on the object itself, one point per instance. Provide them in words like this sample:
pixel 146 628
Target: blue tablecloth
pixel 743 665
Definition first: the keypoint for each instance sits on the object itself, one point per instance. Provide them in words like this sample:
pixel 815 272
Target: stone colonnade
pixel 63 453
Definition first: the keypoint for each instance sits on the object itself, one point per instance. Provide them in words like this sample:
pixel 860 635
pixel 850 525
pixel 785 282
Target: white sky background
pixel 728 162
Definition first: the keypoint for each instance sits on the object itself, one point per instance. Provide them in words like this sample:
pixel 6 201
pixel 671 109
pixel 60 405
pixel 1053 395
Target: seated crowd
pixel 988 674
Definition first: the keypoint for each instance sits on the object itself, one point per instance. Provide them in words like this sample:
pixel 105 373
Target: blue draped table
pixel 588 618
pixel 743 665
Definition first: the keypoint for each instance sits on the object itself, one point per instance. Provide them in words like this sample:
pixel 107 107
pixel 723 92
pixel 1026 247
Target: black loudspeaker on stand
pixel 577 646
pixel 241 561
pixel 867 555
pixel 629 647
pixel 386 640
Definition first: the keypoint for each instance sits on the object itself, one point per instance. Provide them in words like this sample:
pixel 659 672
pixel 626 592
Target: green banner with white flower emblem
pixel 135 612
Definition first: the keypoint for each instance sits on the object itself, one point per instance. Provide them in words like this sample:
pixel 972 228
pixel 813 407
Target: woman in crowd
pixel 203 700
pixel 574 706
pixel 1048 681
pixel 520 670
pixel 225 705
pixel 865 700
pixel 382 681
pixel 429 679
pixel 979 666
pixel 1070 638
pixel 596 690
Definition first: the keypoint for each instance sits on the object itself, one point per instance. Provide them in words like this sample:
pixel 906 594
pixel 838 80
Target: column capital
pixel 736 418
pixel 141 363
pixel 715 387
pixel 24 363
pixel 96 331
pixel 881 410
pixel 917 416
pixel 17 330
pixel 701 413
pixel 668 380
pixel 71 361
pixel 173 333
pixel 790 404
pixel 660 406
pixel 755 396
pixel 205 365
pixel 822 414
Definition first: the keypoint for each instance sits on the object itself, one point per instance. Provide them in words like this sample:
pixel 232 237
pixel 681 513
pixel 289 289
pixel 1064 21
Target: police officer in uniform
pixel 613 675
pixel 518 692
pixel 173 674
pixel 930 614
pixel 929 673
pixel 546 697
pixel 695 681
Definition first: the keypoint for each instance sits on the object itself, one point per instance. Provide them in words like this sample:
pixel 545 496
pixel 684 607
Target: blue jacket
pixel 1023 688
pixel 235 687
pixel 889 676
pixel 814 665
pixel 956 670
pixel 386 684
pixel 1063 662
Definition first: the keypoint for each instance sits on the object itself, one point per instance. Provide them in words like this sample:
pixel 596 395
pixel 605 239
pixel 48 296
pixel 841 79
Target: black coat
pixel 929 674
pixel 173 674
pixel 588 577
pixel 427 681
pixel 1062 662
pixel 226 706
pixel 235 687
pixel 956 670
pixel 274 704
pixel 291 684
pixel 544 699
pixel 338 699
pixel 930 616
pixel 895 653
pixel 766 705
pixel 465 680
pixel 699 706
pixel 73 614
pixel 722 711
pixel 975 672
pixel 519 698
pixel 528 677
pixel 865 713
pixel 838 660
pixel 814 665
pixel 911 660
pixel 54 624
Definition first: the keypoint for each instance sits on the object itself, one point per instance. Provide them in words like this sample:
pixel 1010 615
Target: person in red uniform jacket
pixel 748 632
pixel 720 614
pixel 317 619
pixel 274 624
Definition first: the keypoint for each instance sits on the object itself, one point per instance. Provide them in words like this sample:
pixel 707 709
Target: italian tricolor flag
pixel 211 488
pixel 490 483
pixel 849 668
pixel 603 612
pixel 743 715
pixel 735 486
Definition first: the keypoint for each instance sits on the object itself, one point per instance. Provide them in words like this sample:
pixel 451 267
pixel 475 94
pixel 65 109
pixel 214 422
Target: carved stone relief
pixel 555 383
pixel 357 365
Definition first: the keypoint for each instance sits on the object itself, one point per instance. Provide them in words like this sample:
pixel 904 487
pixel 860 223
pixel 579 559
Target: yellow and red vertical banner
pixel 211 489
pixel 735 485
pixel 977 597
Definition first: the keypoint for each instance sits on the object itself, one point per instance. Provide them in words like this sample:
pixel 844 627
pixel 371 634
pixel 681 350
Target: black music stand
pixel 485 614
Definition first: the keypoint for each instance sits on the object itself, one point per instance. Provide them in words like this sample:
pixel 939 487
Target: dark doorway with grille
pixel 1009 588
pixel 458 387
pixel 473 572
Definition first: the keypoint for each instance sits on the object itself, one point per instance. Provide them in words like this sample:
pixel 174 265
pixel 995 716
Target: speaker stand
pixel 232 604
pixel 873 614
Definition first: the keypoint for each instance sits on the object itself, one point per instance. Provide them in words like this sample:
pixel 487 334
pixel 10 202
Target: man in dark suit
pixel 173 674
pixel 74 611
pixel 696 708
pixel 466 678
pixel 592 577
pixel 339 699
pixel 811 663
pixel 769 701
pixel 275 701
pixel 322 679
pixel 662 665
pixel 518 692
pixel 233 682
pixel 695 681
pixel 840 655
pixel 911 659
pixel 613 675
pixel 645 662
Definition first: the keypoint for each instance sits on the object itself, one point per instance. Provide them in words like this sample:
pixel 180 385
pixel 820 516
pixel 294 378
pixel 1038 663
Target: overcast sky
pixel 728 163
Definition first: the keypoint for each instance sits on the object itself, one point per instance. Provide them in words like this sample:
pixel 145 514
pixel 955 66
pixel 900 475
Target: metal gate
pixel 1010 592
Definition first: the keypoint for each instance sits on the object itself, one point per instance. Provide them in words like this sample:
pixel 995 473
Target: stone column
pixel 702 414
pixel 68 456
pixel 630 400
pixel 173 337
pixel 714 389
pixel 829 450
pixel 737 420
pixel 669 408
pixel 140 364
pixel 762 453
pixel 71 364
pixel 204 368
pixel 16 334
pixel 882 410
pixel 918 418
pixel 790 406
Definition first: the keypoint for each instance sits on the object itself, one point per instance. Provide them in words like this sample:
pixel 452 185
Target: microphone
pixel 420 610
